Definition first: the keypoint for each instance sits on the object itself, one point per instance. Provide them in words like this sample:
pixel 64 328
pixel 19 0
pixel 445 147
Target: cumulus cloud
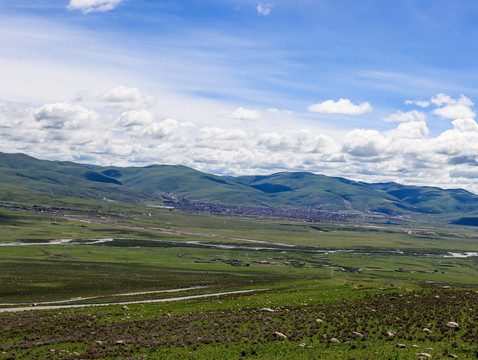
pixel 136 118
pixel 342 106
pixel 364 143
pixel 400 116
pixel 65 116
pixel 263 9
pixel 244 114
pixel 463 125
pixel 169 129
pixel 14 115
pixel 410 130
pixel 87 6
pixel 453 109
pixel 441 99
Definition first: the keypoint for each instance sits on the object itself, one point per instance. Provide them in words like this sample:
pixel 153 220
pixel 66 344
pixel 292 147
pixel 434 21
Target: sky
pixel 369 90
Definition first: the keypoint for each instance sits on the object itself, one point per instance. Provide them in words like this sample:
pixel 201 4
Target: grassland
pixel 364 279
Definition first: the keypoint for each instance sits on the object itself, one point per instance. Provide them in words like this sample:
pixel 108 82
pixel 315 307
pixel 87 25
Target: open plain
pixel 152 283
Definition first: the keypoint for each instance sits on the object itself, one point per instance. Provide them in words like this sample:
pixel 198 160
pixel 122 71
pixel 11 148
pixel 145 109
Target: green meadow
pixel 356 278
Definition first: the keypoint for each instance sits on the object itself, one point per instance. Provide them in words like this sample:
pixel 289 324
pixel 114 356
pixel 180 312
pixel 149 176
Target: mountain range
pixel 23 174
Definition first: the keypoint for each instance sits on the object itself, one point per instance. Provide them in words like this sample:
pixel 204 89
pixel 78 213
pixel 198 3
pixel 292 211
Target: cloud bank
pixel 134 134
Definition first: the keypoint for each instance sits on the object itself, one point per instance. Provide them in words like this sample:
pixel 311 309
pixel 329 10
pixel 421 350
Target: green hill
pixel 23 174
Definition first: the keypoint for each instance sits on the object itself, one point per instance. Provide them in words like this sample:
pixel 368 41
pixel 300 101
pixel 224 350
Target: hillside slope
pixel 20 172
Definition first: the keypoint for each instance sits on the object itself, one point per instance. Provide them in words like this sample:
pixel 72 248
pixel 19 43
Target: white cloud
pixel 400 116
pixel 81 96
pixel 441 99
pixel 136 118
pixel 421 103
pixel 87 6
pixel 125 98
pixel 342 106
pixel 14 115
pixel 278 111
pixel 217 133
pixel 410 130
pixel 463 125
pixel 243 114
pixel 365 143
pixel 410 152
pixel 301 141
pixel 263 9
pixel 65 116
pixel 169 130
pixel 453 109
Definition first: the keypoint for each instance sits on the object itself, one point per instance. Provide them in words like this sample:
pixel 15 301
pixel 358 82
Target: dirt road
pixel 104 296
pixel 56 307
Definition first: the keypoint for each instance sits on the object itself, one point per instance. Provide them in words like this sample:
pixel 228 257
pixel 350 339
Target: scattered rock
pixel 452 324
pixel 415 346
pixel 279 335
pixel 319 320
pixel 401 346
pixel 357 334
pixel 453 356
pixel 99 342
pixel 125 308
pixel 334 341
pixel 425 355
pixel 302 345
pixel 437 296
pixel 446 287
pixel 267 309
pixel 429 348
pixel 119 342
pixel 427 330
pixel 391 333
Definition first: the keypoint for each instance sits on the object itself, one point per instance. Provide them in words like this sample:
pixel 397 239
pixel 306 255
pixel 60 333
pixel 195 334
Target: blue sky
pixel 369 90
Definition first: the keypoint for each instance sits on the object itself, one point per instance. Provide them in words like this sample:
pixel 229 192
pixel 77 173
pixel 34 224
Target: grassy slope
pixel 322 192
pixel 185 182
pixel 139 185
pixel 22 173
pixel 431 199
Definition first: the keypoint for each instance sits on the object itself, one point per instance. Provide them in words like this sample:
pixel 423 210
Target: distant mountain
pixel 20 172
